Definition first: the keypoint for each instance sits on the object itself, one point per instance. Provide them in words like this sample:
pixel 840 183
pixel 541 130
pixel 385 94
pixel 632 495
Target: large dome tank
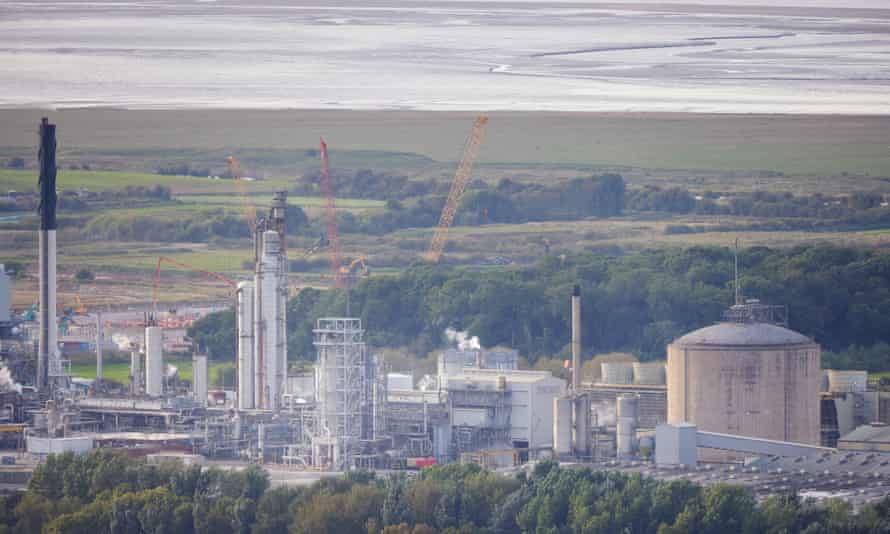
pixel 747 378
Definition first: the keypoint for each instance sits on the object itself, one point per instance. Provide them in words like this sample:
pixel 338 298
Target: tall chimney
pixel 576 338
pixel 47 341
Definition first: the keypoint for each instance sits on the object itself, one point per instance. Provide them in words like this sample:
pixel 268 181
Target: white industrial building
pixel 520 402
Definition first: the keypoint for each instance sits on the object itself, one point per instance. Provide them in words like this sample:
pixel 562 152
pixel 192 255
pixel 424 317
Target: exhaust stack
pixel 47 347
pixel 576 339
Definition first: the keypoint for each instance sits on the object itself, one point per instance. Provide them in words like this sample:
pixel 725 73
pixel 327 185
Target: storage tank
pixel 746 378
pixel 154 361
pixel 617 372
pixel 628 413
pixel 649 374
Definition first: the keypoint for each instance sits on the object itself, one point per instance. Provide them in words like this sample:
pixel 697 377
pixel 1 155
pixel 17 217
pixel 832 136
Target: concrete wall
pixel 41 445
pixel 769 392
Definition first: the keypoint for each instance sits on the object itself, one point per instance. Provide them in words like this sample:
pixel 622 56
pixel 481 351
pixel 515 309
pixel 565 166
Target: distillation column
pixel 269 336
pixel 154 361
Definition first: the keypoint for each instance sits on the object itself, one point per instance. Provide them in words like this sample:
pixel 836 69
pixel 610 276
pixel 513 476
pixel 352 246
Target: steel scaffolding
pixel 345 394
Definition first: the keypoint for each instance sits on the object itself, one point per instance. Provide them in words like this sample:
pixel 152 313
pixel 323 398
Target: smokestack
pixel 47 342
pixel 576 338
pixel 100 338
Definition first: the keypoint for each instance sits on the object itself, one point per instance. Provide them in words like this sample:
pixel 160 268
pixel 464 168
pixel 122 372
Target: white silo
pixel 154 361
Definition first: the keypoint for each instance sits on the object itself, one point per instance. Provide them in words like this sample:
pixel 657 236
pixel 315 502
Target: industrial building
pixel 747 389
pixel 746 376
pixel 846 403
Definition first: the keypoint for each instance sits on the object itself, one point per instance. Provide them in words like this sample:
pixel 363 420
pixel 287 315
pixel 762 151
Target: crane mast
pixel 248 208
pixel 458 185
pixel 330 214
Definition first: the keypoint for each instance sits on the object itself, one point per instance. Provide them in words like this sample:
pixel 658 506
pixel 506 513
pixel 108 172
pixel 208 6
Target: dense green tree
pixel 636 302
pixel 274 514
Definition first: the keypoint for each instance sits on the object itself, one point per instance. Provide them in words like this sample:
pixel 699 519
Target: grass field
pixel 26 180
pixel 801 154
pixel 804 144
pixel 120 371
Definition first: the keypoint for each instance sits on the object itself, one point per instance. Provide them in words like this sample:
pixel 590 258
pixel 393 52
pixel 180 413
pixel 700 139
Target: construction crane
pixel 157 282
pixel 248 208
pixel 79 307
pixel 458 185
pixel 330 214
pixel 358 268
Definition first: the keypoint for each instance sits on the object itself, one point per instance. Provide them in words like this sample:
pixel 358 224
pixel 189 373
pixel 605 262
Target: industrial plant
pixel 744 394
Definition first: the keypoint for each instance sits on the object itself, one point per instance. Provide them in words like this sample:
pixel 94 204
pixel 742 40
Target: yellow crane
pixel 458 185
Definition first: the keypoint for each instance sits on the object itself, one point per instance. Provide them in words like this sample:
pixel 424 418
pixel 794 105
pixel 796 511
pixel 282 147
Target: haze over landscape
pixel 446 55
pixel 444 267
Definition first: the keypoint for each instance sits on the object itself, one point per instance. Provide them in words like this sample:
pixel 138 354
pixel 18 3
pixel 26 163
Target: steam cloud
pixel 462 339
pixel 7 383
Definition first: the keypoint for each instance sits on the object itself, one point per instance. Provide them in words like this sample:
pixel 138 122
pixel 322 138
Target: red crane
pixel 330 214
pixel 161 259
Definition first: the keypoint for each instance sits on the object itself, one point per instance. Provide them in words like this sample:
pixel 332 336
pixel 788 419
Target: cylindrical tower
pixel 154 361
pixel 47 352
pixel 245 324
pixel 628 410
pixel 746 378
pixel 576 338
pixel 136 359
pixel 199 378
pixel 269 336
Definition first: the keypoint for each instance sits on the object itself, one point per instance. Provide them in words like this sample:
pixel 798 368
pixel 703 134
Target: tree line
pixel 636 302
pixel 412 203
pixel 106 492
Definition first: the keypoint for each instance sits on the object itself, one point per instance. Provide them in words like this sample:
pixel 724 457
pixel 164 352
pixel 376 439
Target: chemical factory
pixel 743 399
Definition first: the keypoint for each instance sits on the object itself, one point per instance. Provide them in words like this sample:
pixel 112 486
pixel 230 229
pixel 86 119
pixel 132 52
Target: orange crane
pixel 249 209
pixel 161 259
pixel 458 185
pixel 330 214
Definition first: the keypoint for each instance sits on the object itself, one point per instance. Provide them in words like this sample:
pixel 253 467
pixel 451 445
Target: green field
pixel 120 371
pixel 282 139
pixel 26 180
